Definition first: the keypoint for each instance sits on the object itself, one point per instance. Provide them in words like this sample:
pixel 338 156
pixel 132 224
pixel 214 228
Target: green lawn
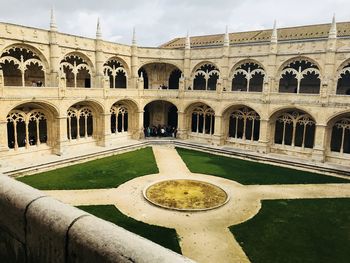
pixel 102 173
pixel 290 231
pixel 163 236
pixel 249 172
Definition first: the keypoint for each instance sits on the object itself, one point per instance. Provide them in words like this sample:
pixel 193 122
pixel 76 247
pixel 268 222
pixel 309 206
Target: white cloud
pixel 158 21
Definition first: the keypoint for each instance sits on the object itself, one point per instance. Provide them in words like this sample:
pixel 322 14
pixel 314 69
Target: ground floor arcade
pixel 40 126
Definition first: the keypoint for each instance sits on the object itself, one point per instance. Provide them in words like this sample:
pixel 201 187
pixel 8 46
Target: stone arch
pixel 23 65
pixel 77 69
pixel 200 118
pixel 85 119
pixel 205 76
pixel 241 122
pixel 338 133
pixel 156 75
pixel 299 75
pixel 32 124
pixel 293 127
pixel 343 78
pixel 160 118
pixel 247 75
pixel 124 117
pixel 118 72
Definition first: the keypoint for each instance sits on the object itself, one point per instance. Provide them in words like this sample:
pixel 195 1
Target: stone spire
pixel 333 31
pixel 53 26
pixel 274 33
pixel 98 29
pixel 134 37
pixel 188 41
pixel 226 38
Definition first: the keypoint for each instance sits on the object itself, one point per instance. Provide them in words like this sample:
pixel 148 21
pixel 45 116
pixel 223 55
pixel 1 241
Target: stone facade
pixel 59 91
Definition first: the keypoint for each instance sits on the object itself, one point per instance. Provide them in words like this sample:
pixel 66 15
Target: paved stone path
pixel 205 236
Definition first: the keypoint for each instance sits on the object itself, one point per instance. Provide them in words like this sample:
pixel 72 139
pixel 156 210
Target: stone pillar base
pixel 218 140
pixel 182 134
pixel 263 147
pixel 318 155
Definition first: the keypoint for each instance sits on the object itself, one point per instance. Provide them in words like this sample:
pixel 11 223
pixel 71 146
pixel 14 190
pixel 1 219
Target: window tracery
pixel 248 77
pixel 203 118
pixel 117 74
pixel 206 77
pixel 244 124
pixel 119 118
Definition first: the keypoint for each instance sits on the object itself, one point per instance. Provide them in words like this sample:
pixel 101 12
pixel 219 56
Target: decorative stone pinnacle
pixel 98 29
pixel 274 33
pixel 333 29
pixel 53 26
pixel 226 38
pixel 134 43
pixel 188 41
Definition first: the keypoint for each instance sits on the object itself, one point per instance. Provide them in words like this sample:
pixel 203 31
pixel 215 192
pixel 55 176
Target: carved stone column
pixel 265 136
pixel 218 136
pixel 61 135
pixel 182 128
pixel 319 149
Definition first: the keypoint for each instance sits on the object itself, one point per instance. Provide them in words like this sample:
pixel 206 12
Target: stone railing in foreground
pixel 37 228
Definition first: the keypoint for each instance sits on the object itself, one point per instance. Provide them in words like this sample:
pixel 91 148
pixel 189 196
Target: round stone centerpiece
pixel 185 195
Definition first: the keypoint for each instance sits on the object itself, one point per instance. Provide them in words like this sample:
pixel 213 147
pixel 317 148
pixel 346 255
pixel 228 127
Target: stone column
pixel 99 61
pixel 139 134
pixel 61 135
pixel 54 60
pixel 105 131
pixel 134 68
pixel 265 136
pixel 181 126
pixel 319 149
pixel 218 136
pixel 2 84
pixel 3 136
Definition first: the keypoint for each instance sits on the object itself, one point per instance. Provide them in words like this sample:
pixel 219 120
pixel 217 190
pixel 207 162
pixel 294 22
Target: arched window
pixel 343 84
pixel 203 120
pixel 244 124
pixel 26 128
pixel 22 67
pixel 174 79
pixel 79 122
pixel 143 75
pixel 76 71
pixel 117 74
pixel 300 76
pixel 340 141
pixel 206 77
pixel 295 128
pixel 248 77
pixel 119 118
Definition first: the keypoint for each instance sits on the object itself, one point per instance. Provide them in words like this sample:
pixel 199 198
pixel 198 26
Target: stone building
pixel 284 91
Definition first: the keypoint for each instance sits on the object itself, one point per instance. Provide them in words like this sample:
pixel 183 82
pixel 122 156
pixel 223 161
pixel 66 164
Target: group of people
pixel 37 83
pixel 160 131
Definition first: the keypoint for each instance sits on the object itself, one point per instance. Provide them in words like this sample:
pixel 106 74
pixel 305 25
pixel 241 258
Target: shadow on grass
pixel 250 172
pixel 166 237
pixel 289 231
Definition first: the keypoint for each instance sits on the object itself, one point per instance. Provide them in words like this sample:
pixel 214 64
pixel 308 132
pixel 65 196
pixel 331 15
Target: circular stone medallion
pixel 185 195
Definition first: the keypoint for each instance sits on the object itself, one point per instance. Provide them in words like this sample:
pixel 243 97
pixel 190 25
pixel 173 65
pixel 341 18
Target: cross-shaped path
pixel 204 236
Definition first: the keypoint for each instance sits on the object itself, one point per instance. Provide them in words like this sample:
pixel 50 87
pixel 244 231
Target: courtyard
pixel 273 214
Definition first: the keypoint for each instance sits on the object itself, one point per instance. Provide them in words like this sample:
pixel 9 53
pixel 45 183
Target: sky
pixel 158 21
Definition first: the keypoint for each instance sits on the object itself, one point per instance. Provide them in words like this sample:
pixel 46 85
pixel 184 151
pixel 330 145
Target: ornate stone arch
pixel 124 117
pixel 342 78
pixel 293 127
pixel 77 69
pixel 299 75
pixel 247 75
pixel 23 65
pixel 117 72
pixel 200 118
pixel 205 76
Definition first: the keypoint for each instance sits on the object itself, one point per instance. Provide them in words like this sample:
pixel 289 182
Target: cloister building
pixel 282 91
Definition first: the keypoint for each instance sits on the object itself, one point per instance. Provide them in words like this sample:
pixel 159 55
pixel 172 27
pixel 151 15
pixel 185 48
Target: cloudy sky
pixel 158 21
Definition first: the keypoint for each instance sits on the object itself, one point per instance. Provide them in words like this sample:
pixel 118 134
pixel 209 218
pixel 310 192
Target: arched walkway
pixel 160 119
pixel 339 129
pixel 201 119
pixel 206 77
pixel 123 117
pixel 160 76
pixel 248 77
pixel 21 66
pixel 31 124
pixel 76 70
pixel 300 76
pixel 294 127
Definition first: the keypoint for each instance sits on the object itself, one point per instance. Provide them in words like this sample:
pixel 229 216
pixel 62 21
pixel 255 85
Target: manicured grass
pixel 249 172
pixel 316 230
pixel 108 172
pixel 163 236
